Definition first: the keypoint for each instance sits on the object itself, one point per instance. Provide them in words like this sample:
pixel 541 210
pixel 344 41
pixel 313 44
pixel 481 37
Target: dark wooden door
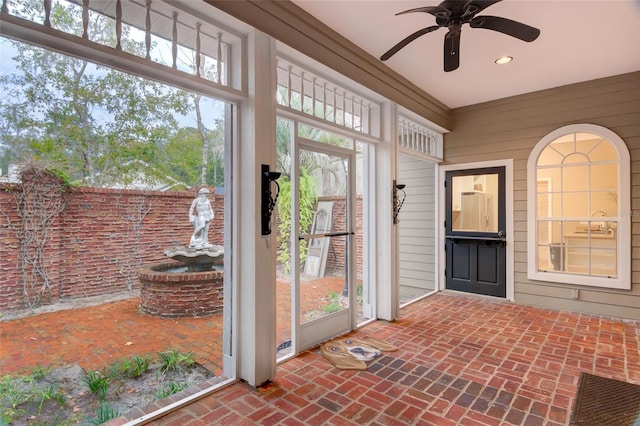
pixel 475 231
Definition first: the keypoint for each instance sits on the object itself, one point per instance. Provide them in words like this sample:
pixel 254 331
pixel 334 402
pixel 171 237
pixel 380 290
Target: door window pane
pixel 475 203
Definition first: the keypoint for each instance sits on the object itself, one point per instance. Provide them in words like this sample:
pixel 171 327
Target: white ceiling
pixel 580 40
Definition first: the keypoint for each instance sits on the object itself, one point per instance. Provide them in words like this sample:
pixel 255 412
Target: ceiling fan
pixel 452 14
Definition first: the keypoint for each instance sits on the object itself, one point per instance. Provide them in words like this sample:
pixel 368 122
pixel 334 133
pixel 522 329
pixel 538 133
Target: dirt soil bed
pixel 62 396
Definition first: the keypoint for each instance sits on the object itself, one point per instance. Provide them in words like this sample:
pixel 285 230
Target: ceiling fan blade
pixel 406 41
pixel 451 51
pixel 475 6
pixel 433 10
pixel 506 26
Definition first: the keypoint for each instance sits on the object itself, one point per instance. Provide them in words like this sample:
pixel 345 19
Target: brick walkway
pixel 95 337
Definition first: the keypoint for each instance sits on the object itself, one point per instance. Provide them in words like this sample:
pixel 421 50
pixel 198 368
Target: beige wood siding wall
pixel 417 226
pixel 511 127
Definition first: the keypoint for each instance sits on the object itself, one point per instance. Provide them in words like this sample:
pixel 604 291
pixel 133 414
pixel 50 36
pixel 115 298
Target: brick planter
pixel 180 294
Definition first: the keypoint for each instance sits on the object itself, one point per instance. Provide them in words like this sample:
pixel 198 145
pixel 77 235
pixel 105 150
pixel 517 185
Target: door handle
pixel 501 234
pixel 324 235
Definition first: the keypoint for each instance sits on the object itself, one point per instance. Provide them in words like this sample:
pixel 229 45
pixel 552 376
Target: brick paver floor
pixel 463 360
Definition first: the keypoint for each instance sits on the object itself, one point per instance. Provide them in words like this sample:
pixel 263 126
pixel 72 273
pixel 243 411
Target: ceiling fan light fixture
pixel 503 60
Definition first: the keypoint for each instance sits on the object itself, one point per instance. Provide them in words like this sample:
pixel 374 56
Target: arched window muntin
pixel 579 208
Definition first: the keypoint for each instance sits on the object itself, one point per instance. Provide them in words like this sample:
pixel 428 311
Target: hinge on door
pixel 445 224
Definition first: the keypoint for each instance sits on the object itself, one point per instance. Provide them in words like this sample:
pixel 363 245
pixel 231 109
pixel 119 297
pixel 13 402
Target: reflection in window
pixel 475 203
pixel 577 206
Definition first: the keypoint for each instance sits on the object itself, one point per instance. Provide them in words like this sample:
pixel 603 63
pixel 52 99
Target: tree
pixel 93 121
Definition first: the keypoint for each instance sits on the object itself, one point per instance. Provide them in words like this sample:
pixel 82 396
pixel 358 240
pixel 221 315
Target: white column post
pixel 386 235
pixel 257 297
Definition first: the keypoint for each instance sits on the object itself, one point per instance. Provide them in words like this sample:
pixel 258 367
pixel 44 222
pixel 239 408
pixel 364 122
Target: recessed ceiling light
pixel 504 60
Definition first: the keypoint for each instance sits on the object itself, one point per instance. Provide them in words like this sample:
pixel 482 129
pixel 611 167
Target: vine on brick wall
pixel 40 199
pixel 135 215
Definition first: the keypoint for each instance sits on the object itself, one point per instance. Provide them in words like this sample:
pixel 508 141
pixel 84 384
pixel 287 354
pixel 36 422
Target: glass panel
pixel 556 232
pixel 324 260
pixel 552 175
pixel 323 136
pixel 323 289
pixel 575 204
pixel 549 157
pixel 283 237
pixel 550 248
pixel 603 262
pixel 564 145
pixel 163 150
pixel 577 158
pixel 604 151
pixel 570 227
pixel 544 258
pixel 556 204
pixel 577 259
pixel 586 142
pixel 604 204
pixel 476 197
pixel 544 206
pixel 604 176
pixel 550 258
pixel 544 232
pixel 575 178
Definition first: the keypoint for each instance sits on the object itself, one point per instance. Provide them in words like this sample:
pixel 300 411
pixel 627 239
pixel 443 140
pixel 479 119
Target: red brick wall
pixel 103 238
pixel 10 293
pixel 337 246
pixel 187 295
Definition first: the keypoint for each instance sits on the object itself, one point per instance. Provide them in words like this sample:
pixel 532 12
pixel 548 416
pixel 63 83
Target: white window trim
pixel 623 280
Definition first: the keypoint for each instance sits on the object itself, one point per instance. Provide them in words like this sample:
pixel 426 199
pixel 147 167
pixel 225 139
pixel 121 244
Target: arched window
pixel 579 208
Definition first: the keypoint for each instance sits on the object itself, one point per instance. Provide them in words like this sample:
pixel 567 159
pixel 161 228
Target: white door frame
pixel 319 330
pixel 441 214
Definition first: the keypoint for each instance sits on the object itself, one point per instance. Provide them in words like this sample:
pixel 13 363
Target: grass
pixel 104 414
pixel 173 359
pixel 97 382
pixel 170 388
pixel 133 367
pixel 334 303
pixel 17 392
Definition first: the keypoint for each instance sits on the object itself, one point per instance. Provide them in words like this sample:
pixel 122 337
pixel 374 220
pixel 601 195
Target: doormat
pixel 601 401
pixel 353 353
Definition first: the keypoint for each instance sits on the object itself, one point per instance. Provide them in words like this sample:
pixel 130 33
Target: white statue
pixel 200 220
